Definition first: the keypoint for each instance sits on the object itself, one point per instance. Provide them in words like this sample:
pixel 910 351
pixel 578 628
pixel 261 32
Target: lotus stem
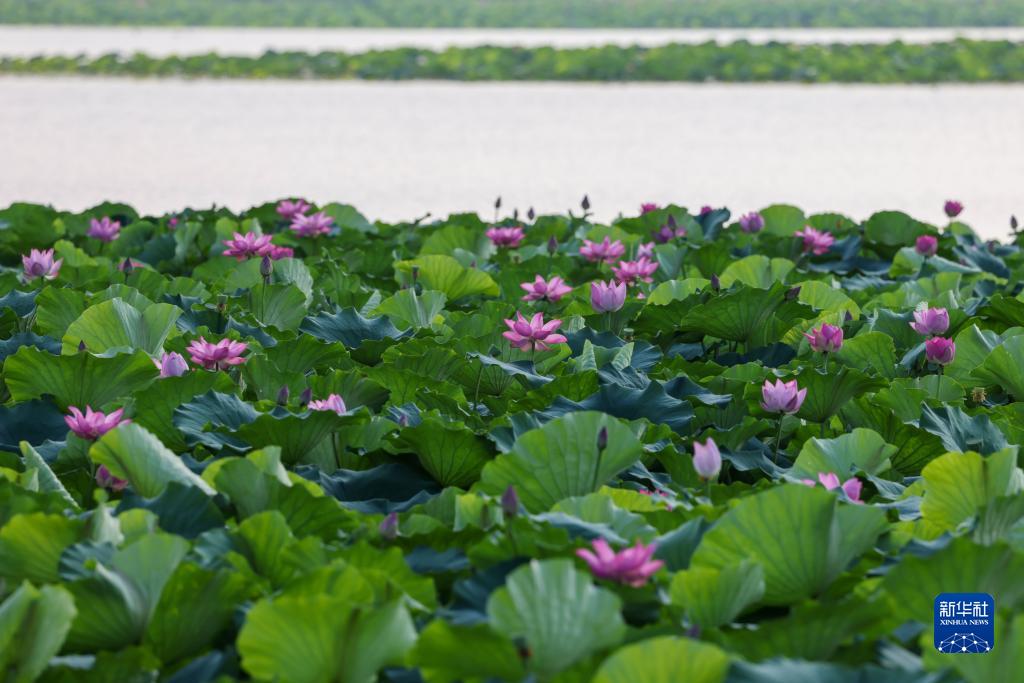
pixel 778 439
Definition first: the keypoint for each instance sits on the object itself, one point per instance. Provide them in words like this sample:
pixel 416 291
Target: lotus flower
pixel 106 480
pixel 663 234
pixel 104 229
pixel 289 210
pixel 940 350
pixel 752 222
pixel 541 289
pixel 632 566
pixel 605 250
pixel 506 237
pixel 607 297
pixel 333 402
pixel 219 356
pixel 707 460
pixel 953 208
pixel 830 480
pixel 93 424
pixel 926 245
pixel 648 207
pixel 825 339
pixel 705 210
pixel 41 264
pixel 815 241
pixel 172 364
pixel 782 397
pixel 629 272
pixel 247 245
pixel 277 252
pixel 930 321
pixel 645 249
pixel 533 334
pixel 312 226
pixel 172 222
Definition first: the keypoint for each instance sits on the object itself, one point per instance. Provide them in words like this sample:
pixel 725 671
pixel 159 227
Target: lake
pixel 398 150
pixel 92 41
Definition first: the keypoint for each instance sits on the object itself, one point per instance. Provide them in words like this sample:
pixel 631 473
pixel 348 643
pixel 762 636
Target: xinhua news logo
pixel 965 623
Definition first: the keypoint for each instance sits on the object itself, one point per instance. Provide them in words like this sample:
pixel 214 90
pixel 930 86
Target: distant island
pixel 520 13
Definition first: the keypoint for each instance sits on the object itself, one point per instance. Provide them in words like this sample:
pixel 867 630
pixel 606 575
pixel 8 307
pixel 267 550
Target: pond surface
pixel 398 150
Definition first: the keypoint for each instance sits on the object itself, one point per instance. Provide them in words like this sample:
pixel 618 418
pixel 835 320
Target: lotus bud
pixel 282 396
pixel 1013 223
pixel 127 267
pixel 415 274
pixel 510 501
pixel 602 439
pixel 81 346
pixel 515 214
pixel 585 203
pixel 847 316
pixel 530 214
pixel 266 268
pixel 389 527
pixel 403 420
pixel 305 397
pixel 716 284
pixel 552 245
pixel 497 202
pixel 222 303
pixel 792 293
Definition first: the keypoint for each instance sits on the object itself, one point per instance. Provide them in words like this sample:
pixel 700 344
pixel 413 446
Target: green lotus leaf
pixel 466 653
pixel 48 481
pixel 665 659
pixel 958 485
pixel 747 315
pixel 31 545
pixel 827 394
pixel 33 625
pixel 412 309
pixel 319 638
pixel 756 270
pixel 713 597
pixel 445 274
pixel 80 380
pixel 802 537
pixel 561 460
pixel 449 451
pixel 862 450
pixel 116 324
pixel 1003 367
pixel 782 219
pixel 131 452
pixel 870 352
pixel 558 611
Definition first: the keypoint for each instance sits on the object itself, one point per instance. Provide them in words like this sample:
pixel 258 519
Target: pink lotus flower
pixel 752 222
pixel 645 249
pixel 106 480
pixel 930 321
pixel 333 402
pixel 830 480
pixel 93 424
pixel 506 237
pixel 926 245
pixel 172 222
pixel 549 290
pixel 533 334
pixel 605 250
pixel 104 229
pixel 607 297
pixel 648 207
pixel 277 252
pixel 940 350
pixel 248 245
pixel 171 364
pixel 705 210
pixel 219 356
pixel 953 208
pixel 815 241
pixel 41 264
pixel 632 566
pixel 312 226
pixel 707 459
pixel 631 272
pixel 825 339
pixel 289 210
pixel 782 397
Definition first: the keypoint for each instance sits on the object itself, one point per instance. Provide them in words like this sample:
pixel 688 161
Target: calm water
pixel 400 150
pixel 35 40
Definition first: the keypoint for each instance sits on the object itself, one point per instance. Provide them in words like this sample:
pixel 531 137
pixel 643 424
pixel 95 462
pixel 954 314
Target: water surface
pixel 398 150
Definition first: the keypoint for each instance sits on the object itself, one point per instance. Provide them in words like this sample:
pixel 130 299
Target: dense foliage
pixel 519 13
pixel 303 447
pixel 958 61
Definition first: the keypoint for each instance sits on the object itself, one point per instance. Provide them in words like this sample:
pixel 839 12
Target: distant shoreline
pixel 957 61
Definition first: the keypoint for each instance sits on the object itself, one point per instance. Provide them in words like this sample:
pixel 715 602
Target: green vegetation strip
pixel 963 61
pixel 515 13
